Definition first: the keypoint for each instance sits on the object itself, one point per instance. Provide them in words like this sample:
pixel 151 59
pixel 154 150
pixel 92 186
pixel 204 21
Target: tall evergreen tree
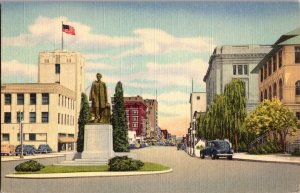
pixel 119 122
pixel 84 118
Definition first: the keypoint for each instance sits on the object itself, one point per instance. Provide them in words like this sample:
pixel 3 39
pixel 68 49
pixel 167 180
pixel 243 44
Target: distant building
pixel 152 113
pixel 232 62
pixel 164 133
pixel 136 112
pixel 279 72
pixel 197 103
pixel 51 107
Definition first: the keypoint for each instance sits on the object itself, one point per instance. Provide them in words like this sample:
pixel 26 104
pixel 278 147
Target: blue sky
pixel 149 46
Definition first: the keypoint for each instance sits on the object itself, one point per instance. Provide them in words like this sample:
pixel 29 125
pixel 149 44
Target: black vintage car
pixel 216 149
pixel 27 150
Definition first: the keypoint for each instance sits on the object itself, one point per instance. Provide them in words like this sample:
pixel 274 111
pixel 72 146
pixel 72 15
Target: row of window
pixel 32 100
pixel 66 102
pixel 272 91
pixel 239 70
pixel 32 117
pixel 271 66
pixel 31 137
pixel 65 119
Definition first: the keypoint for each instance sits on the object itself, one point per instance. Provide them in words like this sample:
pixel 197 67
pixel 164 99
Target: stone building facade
pixel 232 62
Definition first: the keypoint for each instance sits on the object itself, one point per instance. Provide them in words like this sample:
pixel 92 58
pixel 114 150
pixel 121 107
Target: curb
pixel 265 161
pixel 83 174
pixel 31 158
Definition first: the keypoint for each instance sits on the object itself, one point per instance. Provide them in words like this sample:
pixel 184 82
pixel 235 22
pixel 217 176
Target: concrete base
pixel 98 142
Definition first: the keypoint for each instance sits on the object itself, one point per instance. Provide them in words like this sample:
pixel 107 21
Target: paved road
pixel 190 175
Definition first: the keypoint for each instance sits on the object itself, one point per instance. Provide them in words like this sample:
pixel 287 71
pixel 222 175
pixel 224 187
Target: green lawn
pixel 148 166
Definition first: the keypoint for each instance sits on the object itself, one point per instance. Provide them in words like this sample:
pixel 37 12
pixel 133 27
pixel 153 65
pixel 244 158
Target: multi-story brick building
pixel 231 62
pixel 152 115
pixel 279 72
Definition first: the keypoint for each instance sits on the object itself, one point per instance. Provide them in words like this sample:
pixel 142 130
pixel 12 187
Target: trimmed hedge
pixel 124 164
pixel 296 152
pixel 29 166
pixel 266 148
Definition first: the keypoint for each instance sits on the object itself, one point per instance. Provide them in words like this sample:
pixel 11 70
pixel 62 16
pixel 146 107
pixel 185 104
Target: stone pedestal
pixel 98 143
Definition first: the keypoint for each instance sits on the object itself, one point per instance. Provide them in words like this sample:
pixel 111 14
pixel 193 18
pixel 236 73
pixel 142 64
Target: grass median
pixel 148 166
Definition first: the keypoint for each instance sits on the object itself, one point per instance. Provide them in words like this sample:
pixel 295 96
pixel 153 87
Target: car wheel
pixel 229 157
pixel 202 156
pixel 214 155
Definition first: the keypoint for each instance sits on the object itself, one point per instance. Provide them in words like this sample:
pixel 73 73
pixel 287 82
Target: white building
pixel 197 103
pixel 231 62
pixel 60 82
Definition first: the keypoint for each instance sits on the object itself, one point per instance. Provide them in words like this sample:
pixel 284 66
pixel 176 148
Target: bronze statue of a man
pixel 98 96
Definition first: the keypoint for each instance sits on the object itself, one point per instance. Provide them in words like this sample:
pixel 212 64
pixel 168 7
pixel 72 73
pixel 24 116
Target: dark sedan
pixel 216 149
pixel 44 148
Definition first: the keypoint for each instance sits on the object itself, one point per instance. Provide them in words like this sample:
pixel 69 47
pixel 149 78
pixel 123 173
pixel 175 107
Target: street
pixel 190 175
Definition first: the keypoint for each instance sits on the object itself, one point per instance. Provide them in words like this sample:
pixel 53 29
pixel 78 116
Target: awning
pixel 66 140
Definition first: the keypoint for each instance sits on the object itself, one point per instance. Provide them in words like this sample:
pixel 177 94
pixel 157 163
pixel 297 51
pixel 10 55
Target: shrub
pixel 266 148
pixel 296 152
pixel 124 164
pixel 29 166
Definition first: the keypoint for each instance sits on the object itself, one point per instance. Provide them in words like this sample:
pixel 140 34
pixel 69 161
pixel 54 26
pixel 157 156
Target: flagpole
pixel 62 36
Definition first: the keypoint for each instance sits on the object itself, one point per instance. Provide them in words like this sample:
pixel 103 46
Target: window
pixel 32 98
pixel 59 100
pixel 58 118
pixel 57 68
pixel 135 118
pixel 32 117
pixel 280 90
pixel 62 119
pixel 198 98
pixel 240 69
pixel 45 98
pixel 45 117
pixel 298 115
pixel 274 90
pixel 261 74
pixel 274 63
pixel 7 117
pixel 32 136
pixel 270 92
pixel 134 112
pixel 20 116
pixel 297 54
pixel 265 70
pixel 7 99
pixel 297 85
pixel 245 69
pixel 266 94
pixel 280 59
pixel 261 96
pixel 5 136
pixel 20 99
pixel 270 67
pixel 234 69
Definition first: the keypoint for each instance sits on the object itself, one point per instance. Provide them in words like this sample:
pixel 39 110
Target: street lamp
pixel 21 134
pixel 194 133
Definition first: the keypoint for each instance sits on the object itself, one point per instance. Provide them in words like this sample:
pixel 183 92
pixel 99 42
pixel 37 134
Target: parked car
pixel 7 149
pixel 27 150
pixel 143 145
pixel 180 146
pixel 44 148
pixel 216 149
pixel 132 146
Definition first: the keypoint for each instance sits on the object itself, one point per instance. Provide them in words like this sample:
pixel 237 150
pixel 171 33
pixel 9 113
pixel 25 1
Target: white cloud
pixel 156 41
pixel 98 66
pixel 48 30
pixel 151 41
pixel 14 68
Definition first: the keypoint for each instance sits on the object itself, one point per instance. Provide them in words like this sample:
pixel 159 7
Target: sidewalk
pixel 275 158
pixel 36 156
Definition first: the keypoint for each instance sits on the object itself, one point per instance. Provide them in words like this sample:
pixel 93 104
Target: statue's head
pixel 99 76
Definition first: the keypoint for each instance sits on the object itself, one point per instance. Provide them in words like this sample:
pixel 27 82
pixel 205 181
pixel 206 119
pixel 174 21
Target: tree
pixel 119 122
pixel 236 106
pixel 84 118
pixel 272 116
